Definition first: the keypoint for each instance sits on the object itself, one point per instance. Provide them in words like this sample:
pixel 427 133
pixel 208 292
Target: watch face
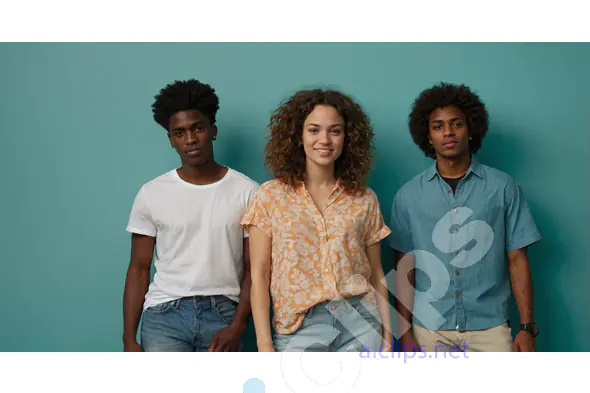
pixel 532 328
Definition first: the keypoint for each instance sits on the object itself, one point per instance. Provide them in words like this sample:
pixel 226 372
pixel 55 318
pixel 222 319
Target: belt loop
pixel 212 301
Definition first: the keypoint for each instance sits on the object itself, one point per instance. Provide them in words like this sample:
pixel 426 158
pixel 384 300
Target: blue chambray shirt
pixel 460 243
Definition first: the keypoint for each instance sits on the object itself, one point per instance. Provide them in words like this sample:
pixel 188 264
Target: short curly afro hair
pixel 183 96
pixel 444 95
pixel 285 155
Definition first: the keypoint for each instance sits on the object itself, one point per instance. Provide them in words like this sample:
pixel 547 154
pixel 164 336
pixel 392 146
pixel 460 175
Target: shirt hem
pixel 141 231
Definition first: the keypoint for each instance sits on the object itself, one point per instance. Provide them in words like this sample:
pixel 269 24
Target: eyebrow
pixel 196 123
pixel 317 125
pixel 453 119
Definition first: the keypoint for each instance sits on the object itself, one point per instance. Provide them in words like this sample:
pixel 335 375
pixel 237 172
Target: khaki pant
pixel 496 339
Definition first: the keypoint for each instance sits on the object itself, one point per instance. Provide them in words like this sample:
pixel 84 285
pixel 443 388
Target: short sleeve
pixel 140 219
pixel 401 235
pixel 375 229
pixel 249 197
pixel 257 213
pixel 521 230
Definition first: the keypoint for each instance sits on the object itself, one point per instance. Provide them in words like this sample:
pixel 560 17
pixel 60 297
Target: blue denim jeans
pixel 348 325
pixel 186 324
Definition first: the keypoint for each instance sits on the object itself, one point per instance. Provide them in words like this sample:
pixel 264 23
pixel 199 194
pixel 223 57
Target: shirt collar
pixel 474 168
pixel 431 172
pixel 300 187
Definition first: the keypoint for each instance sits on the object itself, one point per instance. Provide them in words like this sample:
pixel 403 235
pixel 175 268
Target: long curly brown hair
pixel 284 153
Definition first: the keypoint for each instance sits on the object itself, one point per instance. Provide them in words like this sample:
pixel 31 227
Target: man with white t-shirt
pixel 199 299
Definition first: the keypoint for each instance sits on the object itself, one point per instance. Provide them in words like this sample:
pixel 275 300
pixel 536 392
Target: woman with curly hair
pixel 475 220
pixel 315 231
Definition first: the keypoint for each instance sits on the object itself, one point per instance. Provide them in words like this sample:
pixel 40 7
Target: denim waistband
pixel 343 304
pixel 202 300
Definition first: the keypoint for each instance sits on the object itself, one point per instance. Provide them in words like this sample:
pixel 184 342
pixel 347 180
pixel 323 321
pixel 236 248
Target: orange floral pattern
pixel 316 255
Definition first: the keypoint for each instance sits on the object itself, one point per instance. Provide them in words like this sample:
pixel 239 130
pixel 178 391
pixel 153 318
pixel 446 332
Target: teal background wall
pixel 78 141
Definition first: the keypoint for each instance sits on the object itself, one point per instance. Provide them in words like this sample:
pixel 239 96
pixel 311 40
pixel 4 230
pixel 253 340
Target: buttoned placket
pixel 453 200
pixel 328 275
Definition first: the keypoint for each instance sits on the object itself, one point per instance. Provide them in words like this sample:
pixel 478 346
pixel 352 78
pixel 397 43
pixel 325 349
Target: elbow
pixel 140 268
pixel 260 279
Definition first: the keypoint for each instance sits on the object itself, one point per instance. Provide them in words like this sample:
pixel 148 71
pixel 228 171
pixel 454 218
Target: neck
pixel 319 176
pixel 453 168
pixel 207 173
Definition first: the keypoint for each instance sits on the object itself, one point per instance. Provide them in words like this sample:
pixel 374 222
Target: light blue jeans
pixel 185 325
pixel 348 325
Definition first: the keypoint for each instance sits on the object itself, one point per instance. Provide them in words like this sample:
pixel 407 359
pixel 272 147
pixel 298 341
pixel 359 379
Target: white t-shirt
pixel 199 240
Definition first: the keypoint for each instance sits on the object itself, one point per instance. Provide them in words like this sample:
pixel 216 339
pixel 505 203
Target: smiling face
pixel 323 136
pixel 191 135
pixel 448 132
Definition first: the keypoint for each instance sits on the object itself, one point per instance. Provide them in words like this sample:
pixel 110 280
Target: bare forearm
pixel 522 287
pixel 404 320
pixel 244 309
pixel 404 296
pixel 403 311
pixel 136 286
pixel 260 300
pixel 404 291
pixel 378 283
pixel 383 305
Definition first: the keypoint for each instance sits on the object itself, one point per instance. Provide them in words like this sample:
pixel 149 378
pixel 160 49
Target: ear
pixel 214 132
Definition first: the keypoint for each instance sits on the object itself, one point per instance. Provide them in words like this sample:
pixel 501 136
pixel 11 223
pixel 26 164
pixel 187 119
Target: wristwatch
pixel 531 328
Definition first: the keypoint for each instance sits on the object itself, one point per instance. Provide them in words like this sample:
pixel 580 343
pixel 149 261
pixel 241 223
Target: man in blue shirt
pixel 460 230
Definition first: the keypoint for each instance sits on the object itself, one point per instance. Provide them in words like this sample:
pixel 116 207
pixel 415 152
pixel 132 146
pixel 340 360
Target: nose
pixel 448 130
pixel 190 138
pixel 325 138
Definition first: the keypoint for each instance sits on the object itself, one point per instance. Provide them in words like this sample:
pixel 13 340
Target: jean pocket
pixel 225 309
pixel 161 307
